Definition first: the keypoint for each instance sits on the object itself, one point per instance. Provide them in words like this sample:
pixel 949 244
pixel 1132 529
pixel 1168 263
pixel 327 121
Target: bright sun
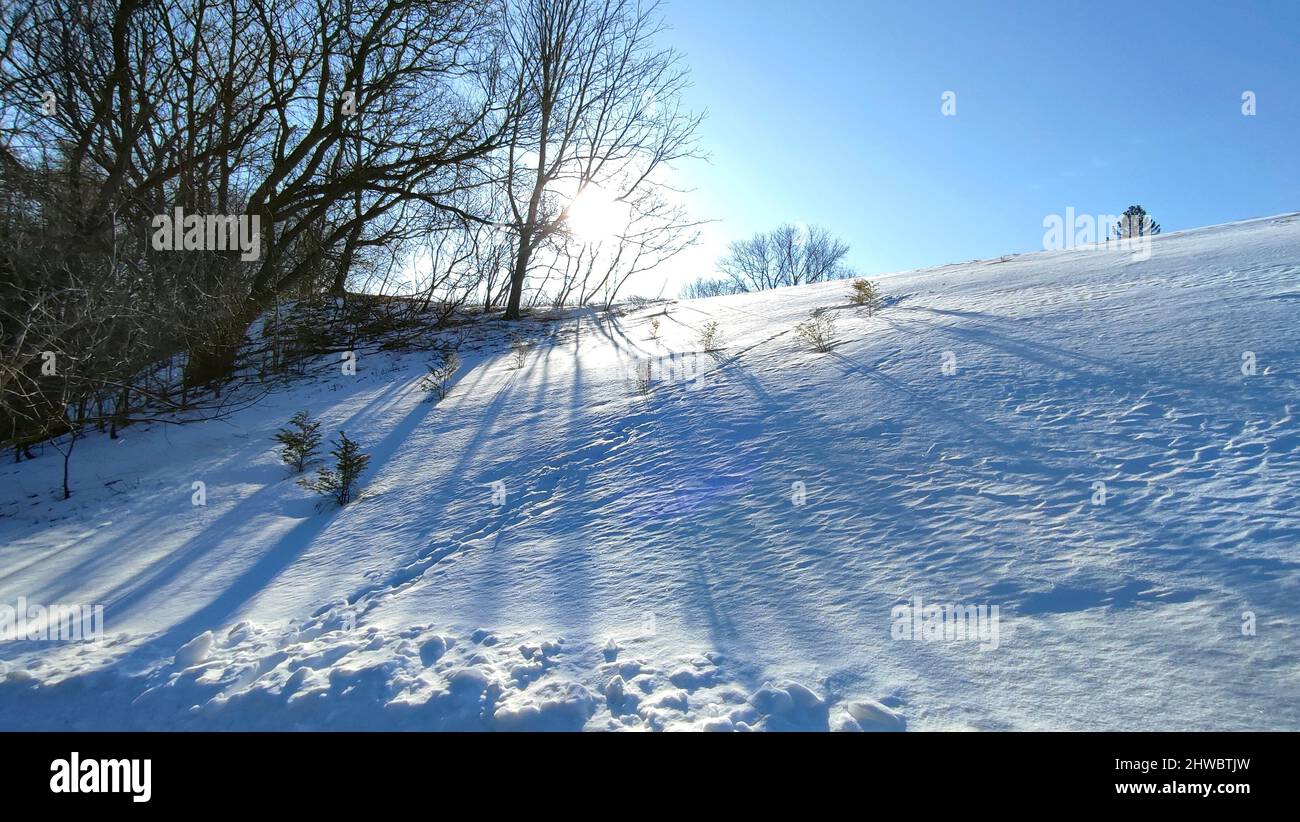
pixel 595 215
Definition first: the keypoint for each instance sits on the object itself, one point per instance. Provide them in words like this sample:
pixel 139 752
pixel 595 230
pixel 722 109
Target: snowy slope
pixel 649 567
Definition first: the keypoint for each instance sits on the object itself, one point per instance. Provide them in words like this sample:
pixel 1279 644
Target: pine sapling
pixel 339 483
pixel 437 380
pixel 298 443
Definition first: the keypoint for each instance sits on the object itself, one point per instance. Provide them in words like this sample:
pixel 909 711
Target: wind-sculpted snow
pixel 1103 448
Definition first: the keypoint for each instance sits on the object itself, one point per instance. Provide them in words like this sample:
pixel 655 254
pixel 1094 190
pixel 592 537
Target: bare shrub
pixel 818 331
pixel 710 336
pixel 519 349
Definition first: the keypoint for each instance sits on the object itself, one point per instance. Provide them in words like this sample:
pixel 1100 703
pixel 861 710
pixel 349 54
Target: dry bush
pixel 710 336
pixel 866 294
pixel 818 331
pixel 519 349
pixel 643 376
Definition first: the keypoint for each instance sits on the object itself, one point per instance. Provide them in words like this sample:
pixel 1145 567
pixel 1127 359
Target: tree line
pixel 429 148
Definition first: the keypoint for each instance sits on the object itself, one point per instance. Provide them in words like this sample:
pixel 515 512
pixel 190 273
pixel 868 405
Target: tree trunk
pixel 67 455
pixel 119 412
pixel 215 361
pixel 517 277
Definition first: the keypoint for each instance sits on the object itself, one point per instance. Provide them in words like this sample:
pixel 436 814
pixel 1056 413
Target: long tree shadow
pixel 169 566
pixel 539 478
pixel 734 501
pixel 242 590
pixel 272 562
pixel 1077 363
pixel 456 476
pixel 125 596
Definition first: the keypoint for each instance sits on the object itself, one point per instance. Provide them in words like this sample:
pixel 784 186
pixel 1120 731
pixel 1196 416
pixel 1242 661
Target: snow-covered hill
pixel 651 565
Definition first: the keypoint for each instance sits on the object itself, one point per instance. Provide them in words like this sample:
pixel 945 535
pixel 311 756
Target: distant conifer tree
pixel 1136 223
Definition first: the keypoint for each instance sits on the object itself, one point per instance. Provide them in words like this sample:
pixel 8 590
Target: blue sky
pixel 830 112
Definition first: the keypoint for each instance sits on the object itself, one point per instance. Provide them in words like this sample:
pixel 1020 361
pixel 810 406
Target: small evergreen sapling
pixel 441 370
pixel 339 483
pixel 299 442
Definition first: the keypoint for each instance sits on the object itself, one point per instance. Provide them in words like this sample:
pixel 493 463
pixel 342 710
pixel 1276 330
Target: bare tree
pixel 703 287
pixel 361 134
pixel 598 106
pixel 348 127
pixel 785 256
pixel 654 230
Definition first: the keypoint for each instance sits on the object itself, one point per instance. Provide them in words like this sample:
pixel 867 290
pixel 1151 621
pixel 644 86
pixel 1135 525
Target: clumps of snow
pixel 611 650
pixel 786 706
pixel 330 673
pixel 557 705
pixel 619 699
pixel 692 677
pixel 869 715
pixel 431 650
pixel 699 693
pixel 194 651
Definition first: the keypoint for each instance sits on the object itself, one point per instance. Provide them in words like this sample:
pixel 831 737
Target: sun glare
pixel 595 215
